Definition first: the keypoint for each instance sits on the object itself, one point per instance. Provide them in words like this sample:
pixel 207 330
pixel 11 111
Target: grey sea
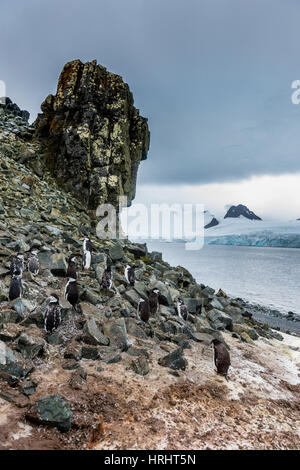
pixel 260 275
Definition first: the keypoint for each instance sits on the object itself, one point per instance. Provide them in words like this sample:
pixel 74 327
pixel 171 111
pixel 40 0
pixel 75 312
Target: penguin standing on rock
pixel 87 253
pixel 130 274
pixel 52 318
pixel 153 301
pixel 143 310
pixel 15 288
pixel 33 263
pixel 181 309
pixel 17 262
pixel 71 270
pixel 107 278
pixel 221 357
pixel 71 293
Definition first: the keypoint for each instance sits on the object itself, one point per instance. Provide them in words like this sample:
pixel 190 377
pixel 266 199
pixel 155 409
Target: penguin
pixel 181 309
pixel 52 317
pixel 15 288
pixel 129 274
pixel 87 245
pixel 153 301
pixel 71 292
pixel 33 263
pixel 71 270
pixel 107 279
pixel 221 357
pixel 143 310
pixel 17 262
pixel 87 254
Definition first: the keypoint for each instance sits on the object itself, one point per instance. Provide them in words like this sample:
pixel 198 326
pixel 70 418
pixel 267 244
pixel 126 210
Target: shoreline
pixel 288 324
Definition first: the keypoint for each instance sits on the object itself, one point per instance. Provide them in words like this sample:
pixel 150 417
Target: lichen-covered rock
pixel 52 410
pixel 93 136
pixel 174 360
pixel 219 319
pixel 30 346
pixel 115 330
pixel 140 365
pixel 93 335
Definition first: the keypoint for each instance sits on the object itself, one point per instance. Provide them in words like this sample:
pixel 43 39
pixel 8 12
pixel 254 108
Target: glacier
pixel 244 232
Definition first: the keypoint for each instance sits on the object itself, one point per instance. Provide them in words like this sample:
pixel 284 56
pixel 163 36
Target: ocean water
pixel 267 276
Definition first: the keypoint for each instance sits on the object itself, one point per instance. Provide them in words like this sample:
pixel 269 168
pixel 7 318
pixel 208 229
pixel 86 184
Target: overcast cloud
pixel 213 76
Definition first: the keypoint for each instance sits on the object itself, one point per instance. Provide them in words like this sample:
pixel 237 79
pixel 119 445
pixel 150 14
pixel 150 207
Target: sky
pixel 212 76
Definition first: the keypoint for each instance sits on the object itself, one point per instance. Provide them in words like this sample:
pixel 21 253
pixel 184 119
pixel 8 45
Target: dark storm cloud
pixel 212 76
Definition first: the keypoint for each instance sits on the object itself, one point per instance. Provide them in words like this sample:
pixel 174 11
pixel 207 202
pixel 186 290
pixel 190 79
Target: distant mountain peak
pixel 210 220
pixel 240 209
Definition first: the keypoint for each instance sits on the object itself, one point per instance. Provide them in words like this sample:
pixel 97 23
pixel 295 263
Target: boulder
pixel 174 360
pixel 30 346
pixel 140 365
pixel 92 334
pixel 116 331
pixel 134 329
pixel 90 352
pixel 219 319
pixel 56 263
pixel 51 410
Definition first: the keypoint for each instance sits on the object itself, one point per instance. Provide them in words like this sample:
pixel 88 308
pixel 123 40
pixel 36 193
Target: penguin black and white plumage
pixel 17 262
pixel 52 317
pixel 143 310
pixel 130 274
pixel 87 245
pixel 71 270
pixel 181 309
pixel 71 292
pixel 153 301
pixel 33 263
pixel 107 278
pixel 87 254
pixel 15 288
pixel 221 357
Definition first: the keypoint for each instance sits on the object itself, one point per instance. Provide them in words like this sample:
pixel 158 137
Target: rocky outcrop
pixel 93 137
pixel 212 223
pixel 237 211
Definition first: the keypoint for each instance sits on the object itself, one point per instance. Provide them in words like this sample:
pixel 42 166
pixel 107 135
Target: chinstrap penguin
pixel 87 254
pixel 181 309
pixel 143 310
pixel 71 270
pixel 52 318
pixel 71 293
pixel 17 262
pixel 153 301
pixel 33 263
pixel 130 274
pixel 15 288
pixel 107 278
pixel 221 357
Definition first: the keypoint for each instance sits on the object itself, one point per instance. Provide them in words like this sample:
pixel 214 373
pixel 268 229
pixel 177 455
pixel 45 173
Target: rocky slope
pixel 105 379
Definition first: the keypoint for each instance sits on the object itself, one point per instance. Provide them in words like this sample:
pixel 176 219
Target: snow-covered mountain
pixel 240 210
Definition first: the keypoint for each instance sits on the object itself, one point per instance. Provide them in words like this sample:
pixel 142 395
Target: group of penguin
pixel 145 308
